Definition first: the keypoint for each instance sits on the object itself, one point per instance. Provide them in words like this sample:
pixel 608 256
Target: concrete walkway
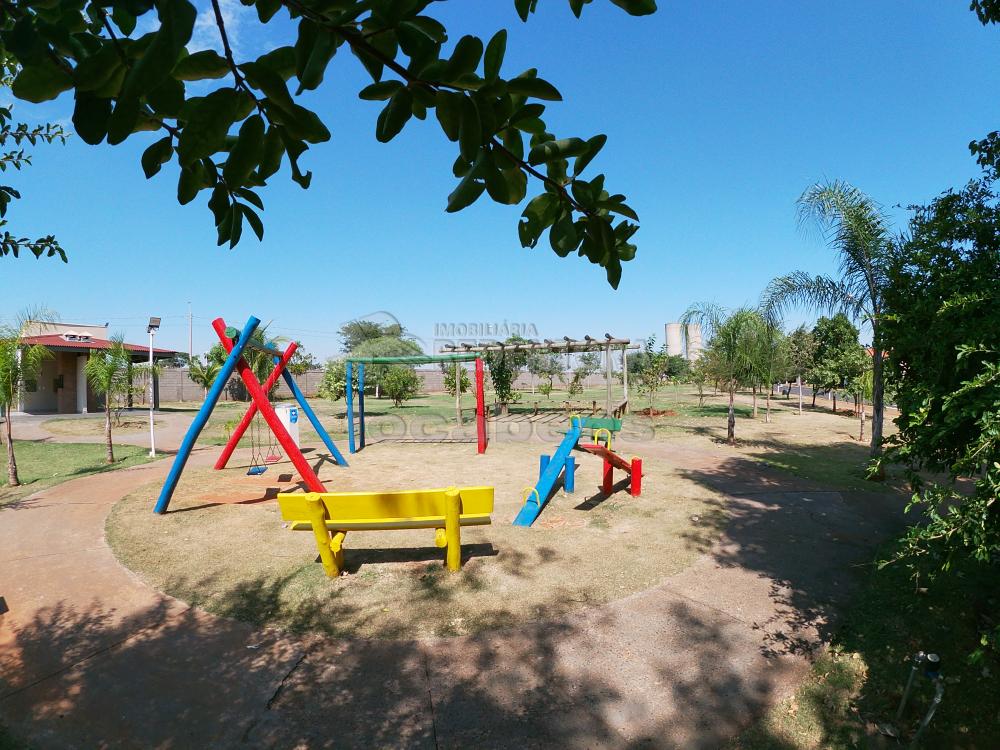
pixel 170 429
pixel 91 657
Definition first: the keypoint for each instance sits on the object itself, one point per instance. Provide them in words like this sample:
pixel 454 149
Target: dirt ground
pixel 224 547
pixel 94 426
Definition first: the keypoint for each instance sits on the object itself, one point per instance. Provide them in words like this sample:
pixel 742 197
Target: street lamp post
pixel 154 325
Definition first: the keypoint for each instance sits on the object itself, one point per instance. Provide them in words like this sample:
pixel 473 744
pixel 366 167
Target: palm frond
pixel 814 293
pixel 858 229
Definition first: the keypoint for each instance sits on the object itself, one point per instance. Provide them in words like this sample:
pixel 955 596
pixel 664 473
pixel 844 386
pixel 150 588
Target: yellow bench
pixel 330 515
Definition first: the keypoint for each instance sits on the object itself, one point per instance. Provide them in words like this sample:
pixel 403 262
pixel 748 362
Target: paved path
pixel 170 429
pixel 91 657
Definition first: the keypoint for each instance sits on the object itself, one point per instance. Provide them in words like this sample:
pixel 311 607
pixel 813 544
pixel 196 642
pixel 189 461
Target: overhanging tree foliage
pixel 18 135
pixel 943 326
pixel 230 138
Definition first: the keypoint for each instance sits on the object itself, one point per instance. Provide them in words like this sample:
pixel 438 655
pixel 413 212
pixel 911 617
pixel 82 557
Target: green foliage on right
pixel 943 324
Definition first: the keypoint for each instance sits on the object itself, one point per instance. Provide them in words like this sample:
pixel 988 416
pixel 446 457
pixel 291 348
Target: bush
pixel 334 383
pixel 400 383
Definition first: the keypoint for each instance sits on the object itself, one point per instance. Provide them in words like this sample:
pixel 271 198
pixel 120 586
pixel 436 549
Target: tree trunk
pixel 755 401
pixel 814 397
pixel 833 395
pixel 767 409
pixel 798 384
pixel 731 421
pixel 861 435
pixel 878 397
pixel 12 478
pixel 107 428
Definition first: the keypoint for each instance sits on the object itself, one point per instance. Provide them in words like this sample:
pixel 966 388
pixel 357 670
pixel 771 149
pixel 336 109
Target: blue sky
pixel 718 116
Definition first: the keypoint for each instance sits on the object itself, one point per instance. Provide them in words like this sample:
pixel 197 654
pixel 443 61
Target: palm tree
pixel 18 364
pixel 734 347
pixel 204 374
pixel 859 232
pixel 110 374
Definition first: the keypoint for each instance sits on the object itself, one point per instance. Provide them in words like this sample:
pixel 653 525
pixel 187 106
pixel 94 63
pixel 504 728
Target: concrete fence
pixel 175 385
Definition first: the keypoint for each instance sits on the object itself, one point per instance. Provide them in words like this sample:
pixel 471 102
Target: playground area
pixel 229 552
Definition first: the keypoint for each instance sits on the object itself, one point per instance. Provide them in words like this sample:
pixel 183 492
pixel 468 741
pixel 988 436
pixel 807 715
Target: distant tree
pixel 771 360
pixel 401 383
pixel 859 382
pixel 733 348
pixel 109 372
pixel 504 366
pixel 699 374
pixel 860 234
pixel 836 341
pixel 384 346
pixel 301 362
pixel 546 367
pixel 654 365
pixel 333 386
pixel 354 333
pixel 203 373
pixel 19 365
pixel 450 384
pixel 801 348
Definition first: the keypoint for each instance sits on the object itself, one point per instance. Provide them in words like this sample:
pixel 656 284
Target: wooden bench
pixel 330 515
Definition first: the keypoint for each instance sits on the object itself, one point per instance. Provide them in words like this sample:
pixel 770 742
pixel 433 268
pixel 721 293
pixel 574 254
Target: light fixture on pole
pixel 151 329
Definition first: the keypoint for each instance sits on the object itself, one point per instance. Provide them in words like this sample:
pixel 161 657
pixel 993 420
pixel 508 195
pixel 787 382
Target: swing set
pixel 279 442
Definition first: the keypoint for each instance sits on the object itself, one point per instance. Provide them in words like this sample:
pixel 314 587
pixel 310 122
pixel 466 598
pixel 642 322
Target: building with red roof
pixel 61 386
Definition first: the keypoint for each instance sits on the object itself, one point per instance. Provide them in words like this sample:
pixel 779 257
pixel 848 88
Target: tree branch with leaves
pixel 232 139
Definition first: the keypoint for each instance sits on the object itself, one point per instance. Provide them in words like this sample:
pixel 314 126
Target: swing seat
pixel 273 458
pixel 254 471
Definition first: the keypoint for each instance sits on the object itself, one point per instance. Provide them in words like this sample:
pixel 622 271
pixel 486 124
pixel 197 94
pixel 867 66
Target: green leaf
pixel 123 119
pixel 563 237
pixel 536 87
pixel 394 116
pixel 247 153
pixel 470 132
pixel 200 66
pixel 467 192
pixel 177 19
pixel 594 145
pixel 41 82
pixel 90 117
pixel 156 156
pixel 636 8
pixel 280 61
pixel 313 51
pixel 449 113
pixel 494 54
pixel 253 219
pixel 496 185
pixel 380 91
pixel 617 207
pixel 558 149
pixel 465 58
pixel 266 9
pixel 167 99
pixel 274 149
pixel 94 71
pixel 192 179
pixel 208 124
pixel 524 7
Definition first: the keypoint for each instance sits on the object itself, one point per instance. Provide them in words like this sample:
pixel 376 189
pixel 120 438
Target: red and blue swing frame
pixel 260 403
pixel 356 443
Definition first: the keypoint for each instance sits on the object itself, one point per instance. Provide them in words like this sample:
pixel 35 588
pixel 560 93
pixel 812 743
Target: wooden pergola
pixel 567 346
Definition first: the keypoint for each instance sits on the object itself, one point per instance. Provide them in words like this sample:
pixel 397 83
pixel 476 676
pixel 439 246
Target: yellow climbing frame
pixel 330 515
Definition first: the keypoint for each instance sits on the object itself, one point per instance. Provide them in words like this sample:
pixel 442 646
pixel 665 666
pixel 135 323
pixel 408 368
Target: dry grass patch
pixel 224 547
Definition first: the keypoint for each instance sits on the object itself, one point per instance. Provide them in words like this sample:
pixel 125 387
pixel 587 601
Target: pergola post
pixel 608 376
pixel 625 375
pixel 458 392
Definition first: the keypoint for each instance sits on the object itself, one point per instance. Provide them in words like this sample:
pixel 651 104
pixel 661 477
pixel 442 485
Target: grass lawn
pixel 856 685
pixel 41 465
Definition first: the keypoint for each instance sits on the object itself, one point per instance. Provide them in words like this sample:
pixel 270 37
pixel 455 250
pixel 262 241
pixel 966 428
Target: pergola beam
pixel 566 346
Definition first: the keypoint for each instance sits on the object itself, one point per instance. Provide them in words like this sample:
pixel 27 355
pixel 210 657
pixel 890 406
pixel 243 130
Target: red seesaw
pixel 612 461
